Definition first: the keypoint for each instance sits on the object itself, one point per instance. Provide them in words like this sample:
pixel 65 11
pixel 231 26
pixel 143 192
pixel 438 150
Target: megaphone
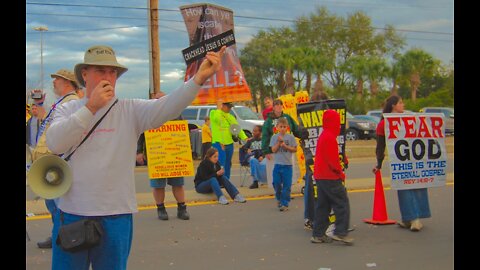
pixel 235 129
pixel 49 177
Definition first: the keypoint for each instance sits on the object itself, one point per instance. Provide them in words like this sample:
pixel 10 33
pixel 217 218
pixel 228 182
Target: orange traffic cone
pixel 379 208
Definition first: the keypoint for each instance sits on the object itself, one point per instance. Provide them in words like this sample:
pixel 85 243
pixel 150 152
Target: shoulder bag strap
pixel 91 130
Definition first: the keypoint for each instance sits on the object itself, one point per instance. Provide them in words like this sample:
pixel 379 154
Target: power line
pixel 368 4
pixel 163 25
pixel 237 16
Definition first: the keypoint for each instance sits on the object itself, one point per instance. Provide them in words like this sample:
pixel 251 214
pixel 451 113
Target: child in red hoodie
pixel 329 177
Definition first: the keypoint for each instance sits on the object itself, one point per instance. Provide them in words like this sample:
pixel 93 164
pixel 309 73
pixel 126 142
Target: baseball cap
pixel 228 104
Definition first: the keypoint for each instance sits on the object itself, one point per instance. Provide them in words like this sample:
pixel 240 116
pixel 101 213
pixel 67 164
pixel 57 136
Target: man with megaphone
pixel 103 186
pixel 64 87
pixel 223 123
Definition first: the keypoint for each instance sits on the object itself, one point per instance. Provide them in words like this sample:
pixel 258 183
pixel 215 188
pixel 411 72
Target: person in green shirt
pixel 220 120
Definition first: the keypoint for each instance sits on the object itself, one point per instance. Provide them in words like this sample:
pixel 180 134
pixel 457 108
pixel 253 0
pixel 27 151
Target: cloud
pixel 430 25
pixel 176 74
pixel 69 36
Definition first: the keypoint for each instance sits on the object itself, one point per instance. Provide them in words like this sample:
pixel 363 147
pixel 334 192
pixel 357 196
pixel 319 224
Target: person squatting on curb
pixel 210 177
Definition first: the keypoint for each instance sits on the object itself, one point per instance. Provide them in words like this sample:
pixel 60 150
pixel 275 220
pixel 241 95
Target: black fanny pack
pixel 79 235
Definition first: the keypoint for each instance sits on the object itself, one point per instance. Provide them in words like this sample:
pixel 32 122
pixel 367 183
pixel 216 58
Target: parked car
pixel 359 128
pixel 246 118
pixel 375 119
pixel 378 113
pixel 447 112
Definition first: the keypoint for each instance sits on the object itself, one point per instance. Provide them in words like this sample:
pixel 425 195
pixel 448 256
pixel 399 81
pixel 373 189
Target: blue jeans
pixel 51 207
pixel 212 185
pixel 282 183
pixel 111 253
pixel 331 194
pixel 225 157
pixel 258 170
pixel 413 204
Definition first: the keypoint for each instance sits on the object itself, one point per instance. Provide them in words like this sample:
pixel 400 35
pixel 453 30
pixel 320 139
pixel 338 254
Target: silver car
pixel 246 118
pixel 447 112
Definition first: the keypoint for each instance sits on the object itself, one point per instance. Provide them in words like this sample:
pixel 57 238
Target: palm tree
pixel 356 67
pixel 377 69
pixel 415 63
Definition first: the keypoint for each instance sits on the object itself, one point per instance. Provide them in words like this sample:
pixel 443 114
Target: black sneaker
pixel 253 185
pixel 162 213
pixel 182 212
pixel 45 244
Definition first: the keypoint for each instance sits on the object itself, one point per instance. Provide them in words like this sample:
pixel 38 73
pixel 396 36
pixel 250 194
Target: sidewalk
pixel 145 200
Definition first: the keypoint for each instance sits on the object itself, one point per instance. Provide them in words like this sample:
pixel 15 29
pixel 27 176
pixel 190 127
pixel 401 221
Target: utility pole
pixel 154 52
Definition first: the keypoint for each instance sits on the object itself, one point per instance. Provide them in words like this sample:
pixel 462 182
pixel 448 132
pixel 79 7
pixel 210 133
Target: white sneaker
pixel 222 200
pixel 330 230
pixel 239 198
pixel 416 225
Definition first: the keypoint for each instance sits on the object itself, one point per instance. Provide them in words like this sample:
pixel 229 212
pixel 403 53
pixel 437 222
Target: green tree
pixel 377 70
pixel 415 63
pixel 357 68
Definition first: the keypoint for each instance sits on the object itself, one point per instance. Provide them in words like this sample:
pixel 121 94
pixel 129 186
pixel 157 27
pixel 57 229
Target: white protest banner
pixel 416 150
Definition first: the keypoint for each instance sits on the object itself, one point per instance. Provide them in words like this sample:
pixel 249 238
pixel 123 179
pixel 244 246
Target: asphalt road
pixel 255 235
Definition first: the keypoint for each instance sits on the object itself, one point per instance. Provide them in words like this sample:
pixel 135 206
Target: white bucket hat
pixel 66 74
pixel 98 55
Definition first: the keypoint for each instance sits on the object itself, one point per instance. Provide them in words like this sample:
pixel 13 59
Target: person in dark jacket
pixel 210 177
pixel 329 177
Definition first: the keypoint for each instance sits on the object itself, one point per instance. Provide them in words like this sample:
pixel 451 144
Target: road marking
pixel 256 198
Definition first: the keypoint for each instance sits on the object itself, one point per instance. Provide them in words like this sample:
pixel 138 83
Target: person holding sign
pixel 413 202
pixel 211 176
pixel 329 178
pixel 158 186
pixel 102 167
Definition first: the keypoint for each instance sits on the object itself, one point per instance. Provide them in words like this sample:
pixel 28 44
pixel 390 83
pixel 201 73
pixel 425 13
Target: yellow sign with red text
pixel 290 108
pixel 169 153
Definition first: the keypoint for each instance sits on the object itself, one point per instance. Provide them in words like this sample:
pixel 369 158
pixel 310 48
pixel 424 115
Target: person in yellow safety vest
pixel 222 139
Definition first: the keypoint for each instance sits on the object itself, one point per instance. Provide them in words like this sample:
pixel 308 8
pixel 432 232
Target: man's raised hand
pixel 211 64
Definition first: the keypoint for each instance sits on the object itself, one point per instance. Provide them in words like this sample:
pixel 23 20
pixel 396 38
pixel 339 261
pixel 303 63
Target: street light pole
pixel 41 29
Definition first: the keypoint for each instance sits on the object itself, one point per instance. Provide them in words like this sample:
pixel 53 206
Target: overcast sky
pixel 75 25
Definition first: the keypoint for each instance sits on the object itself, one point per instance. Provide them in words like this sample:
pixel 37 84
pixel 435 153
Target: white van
pixel 246 118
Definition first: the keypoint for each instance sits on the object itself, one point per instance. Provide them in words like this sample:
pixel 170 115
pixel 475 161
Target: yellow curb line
pixel 196 203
